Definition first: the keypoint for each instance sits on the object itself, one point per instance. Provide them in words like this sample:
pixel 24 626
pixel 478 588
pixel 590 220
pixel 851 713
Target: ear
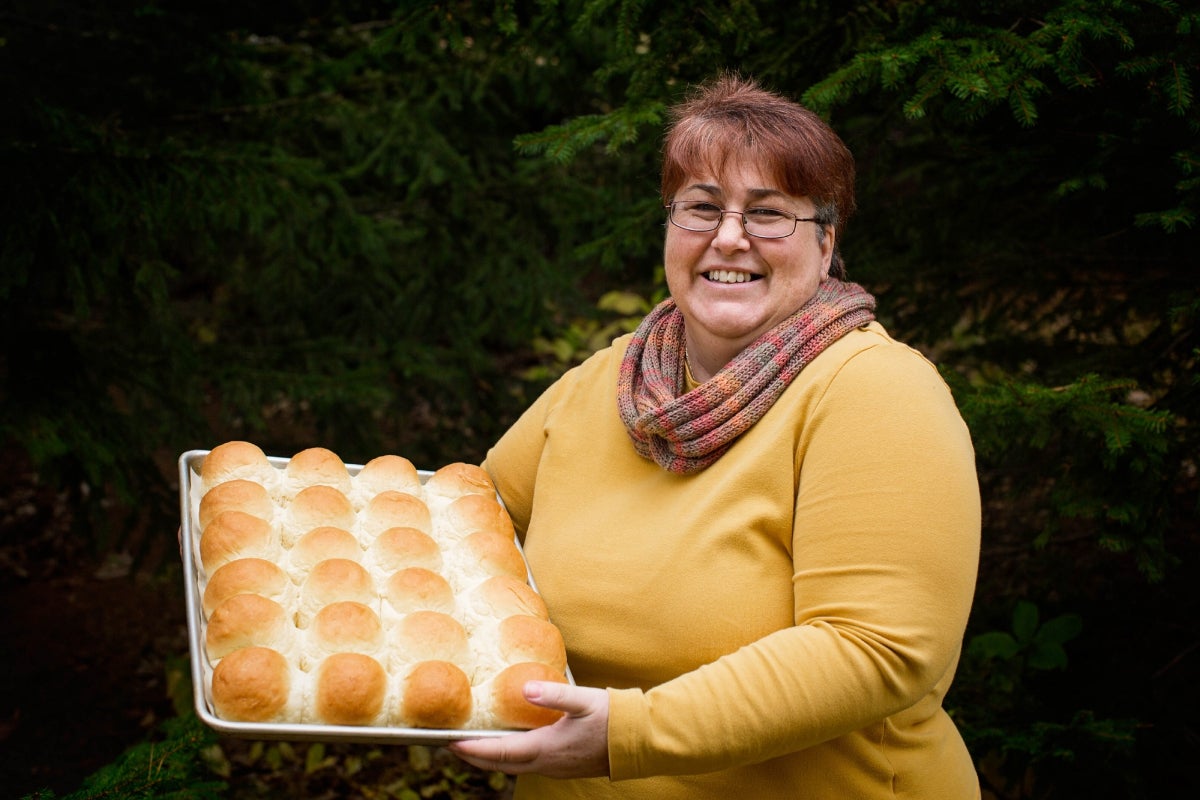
pixel 828 244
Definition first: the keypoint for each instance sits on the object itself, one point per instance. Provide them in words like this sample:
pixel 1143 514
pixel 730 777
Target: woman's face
pixel 732 287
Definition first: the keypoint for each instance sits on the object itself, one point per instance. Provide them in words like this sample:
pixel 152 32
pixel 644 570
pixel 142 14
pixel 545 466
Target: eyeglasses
pixel 763 223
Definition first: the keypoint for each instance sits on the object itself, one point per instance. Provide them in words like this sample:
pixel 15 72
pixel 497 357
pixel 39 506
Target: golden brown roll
pixel 247 576
pixel 398 548
pixel 316 466
pixel 489 554
pixel 250 497
pixel 316 507
pixel 523 638
pixel 235 534
pixel 509 708
pixel 348 689
pixel 458 479
pixel 417 589
pixel 387 473
pixel 318 545
pixel 236 460
pixel 503 596
pixel 434 694
pixel 343 627
pixel 473 513
pixel 430 636
pixel 393 510
pixel 249 620
pixel 335 580
pixel 256 684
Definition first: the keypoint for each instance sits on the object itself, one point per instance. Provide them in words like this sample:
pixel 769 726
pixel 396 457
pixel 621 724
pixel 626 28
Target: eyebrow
pixel 755 194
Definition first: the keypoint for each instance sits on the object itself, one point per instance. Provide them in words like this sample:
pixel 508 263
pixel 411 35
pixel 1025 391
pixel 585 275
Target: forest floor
pixel 91 647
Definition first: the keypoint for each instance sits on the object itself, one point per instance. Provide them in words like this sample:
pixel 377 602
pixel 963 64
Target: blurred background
pixel 385 226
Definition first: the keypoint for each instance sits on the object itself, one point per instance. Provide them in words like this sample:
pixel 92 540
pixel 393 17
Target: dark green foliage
pixel 175 768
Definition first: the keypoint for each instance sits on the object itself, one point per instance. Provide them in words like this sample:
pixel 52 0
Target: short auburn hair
pixel 733 119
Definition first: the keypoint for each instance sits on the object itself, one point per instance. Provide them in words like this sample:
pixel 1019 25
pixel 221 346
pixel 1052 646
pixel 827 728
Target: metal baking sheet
pixel 189 473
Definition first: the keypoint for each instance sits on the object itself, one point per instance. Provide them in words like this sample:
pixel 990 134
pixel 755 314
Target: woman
pixel 756 519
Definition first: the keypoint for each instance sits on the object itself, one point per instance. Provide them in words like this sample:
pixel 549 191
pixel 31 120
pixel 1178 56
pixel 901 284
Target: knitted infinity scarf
pixel 685 432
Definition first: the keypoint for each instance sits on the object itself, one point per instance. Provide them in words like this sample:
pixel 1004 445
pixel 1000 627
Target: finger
pixel 576 701
pixel 505 753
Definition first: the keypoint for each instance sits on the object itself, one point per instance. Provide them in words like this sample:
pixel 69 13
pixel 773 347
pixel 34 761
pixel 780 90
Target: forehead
pixel 732 173
pixel 742 179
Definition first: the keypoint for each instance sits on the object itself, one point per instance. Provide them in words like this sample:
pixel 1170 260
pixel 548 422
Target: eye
pixel 701 208
pixel 767 215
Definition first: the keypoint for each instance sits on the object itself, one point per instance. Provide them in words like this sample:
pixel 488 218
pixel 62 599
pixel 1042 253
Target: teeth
pixel 728 276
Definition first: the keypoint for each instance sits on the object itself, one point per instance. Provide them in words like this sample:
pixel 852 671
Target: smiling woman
pixel 763 563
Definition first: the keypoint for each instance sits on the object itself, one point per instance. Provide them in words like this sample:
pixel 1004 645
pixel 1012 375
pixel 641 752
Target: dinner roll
pixel 256 684
pixel 397 548
pixel 247 576
pixel 250 497
pixel 455 480
pixel 388 473
pixel 503 596
pixel 332 581
pixel 316 466
pixel 488 554
pixel 473 513
pixel 526 638
pixel 316 507
pixel 236 460
pixel 346 626
pixel 235 534
pixel 430 636
pixel 249 620
pixel 509 708
pixel 434 694
pixel 417 589
pixel 318 545
pixel 348 689
pixel 393 510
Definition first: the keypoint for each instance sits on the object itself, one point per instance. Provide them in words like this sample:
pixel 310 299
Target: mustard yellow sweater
pixel 783 624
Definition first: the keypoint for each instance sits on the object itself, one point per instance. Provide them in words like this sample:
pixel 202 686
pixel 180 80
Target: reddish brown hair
pixel 733 118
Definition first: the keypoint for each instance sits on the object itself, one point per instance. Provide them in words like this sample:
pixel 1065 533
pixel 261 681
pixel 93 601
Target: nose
pixel 731 233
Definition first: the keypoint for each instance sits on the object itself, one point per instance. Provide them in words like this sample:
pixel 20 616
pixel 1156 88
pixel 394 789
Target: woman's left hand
pixel 576 746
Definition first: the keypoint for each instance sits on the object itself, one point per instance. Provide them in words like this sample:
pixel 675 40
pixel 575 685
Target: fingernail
pixel 533 691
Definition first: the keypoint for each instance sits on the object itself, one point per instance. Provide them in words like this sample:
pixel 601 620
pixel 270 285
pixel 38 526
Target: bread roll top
pixel 331 581
pixel 249 620
pixel 346 626
pixel 398 548
pixel 316 466
pixel 418 589
pixel 316 507
pixel 321 544
pixel 387 473
pixel 247 576
pixel 393 510
pixel 430 636
pixel 236 460
pixel 474 513
pixel 455 480
pixel 249 497
pixel 236 534
pixel 255 684
pixel 349 689
pixel 435 694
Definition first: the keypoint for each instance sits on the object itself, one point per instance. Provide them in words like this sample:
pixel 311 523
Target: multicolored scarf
pixel 684 431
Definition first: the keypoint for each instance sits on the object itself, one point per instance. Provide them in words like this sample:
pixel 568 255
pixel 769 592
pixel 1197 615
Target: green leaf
pixel 1025 622
pixel 994 644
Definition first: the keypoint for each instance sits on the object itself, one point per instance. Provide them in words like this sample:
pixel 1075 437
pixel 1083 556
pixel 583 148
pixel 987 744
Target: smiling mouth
pixel 730 276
